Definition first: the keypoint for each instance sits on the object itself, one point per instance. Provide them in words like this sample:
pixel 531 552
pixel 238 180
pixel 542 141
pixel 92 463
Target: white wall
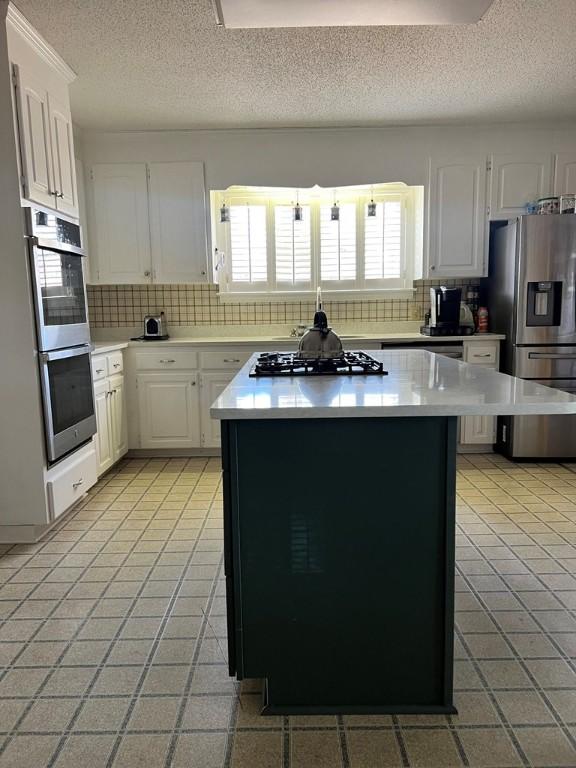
pixel 22 492
pixel 328 157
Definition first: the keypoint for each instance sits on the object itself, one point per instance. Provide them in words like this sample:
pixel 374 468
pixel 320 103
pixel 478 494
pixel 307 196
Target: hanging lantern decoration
pixel 335 210
pixel 224 213
pixel 372 204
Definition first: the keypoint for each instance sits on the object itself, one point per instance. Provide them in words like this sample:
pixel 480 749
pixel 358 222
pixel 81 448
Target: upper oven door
pixel 58 276
pixel 59 298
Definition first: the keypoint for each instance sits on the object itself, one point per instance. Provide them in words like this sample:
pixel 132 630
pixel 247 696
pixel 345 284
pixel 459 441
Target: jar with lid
pixel 482 320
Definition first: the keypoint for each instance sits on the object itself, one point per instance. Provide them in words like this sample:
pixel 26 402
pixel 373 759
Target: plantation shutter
pixel 383 241
pixel 293 245
pixel 338 244
pixel 248 253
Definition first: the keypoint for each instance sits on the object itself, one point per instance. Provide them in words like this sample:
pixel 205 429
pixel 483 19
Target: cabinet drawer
pixel 480 354
pixel 115 363
pixel 99 367
pixel 67 485
pixel 225 359
pixel 166 360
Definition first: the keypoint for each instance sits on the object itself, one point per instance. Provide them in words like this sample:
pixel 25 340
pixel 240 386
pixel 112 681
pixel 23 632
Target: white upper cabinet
pixel 517 180
pixel 119 227
pixel 43 122
pixel 34 129
pixel 565 173
pixel 148 223
pixel 62 142
pixel 457 220
pixel 178 222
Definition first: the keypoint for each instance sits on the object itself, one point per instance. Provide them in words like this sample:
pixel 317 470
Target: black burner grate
pixel 290 364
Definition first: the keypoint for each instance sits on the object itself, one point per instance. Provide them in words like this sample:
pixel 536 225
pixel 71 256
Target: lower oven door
pixel 545 437
pixel 68 399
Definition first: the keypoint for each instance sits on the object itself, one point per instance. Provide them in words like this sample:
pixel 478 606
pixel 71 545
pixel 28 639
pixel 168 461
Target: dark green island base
pixel 339 559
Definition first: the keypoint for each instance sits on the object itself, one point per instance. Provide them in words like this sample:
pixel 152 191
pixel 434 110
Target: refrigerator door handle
pixel 551 356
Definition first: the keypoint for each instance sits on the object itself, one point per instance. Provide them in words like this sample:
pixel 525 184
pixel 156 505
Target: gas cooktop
pixel 290 364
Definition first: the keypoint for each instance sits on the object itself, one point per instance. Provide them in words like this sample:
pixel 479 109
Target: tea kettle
pixel 320 341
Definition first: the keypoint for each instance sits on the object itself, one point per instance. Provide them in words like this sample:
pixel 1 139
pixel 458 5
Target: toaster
pixel 155 326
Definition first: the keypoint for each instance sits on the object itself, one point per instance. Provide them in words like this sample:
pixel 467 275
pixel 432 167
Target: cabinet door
pixel 517 180
pixel 34 129
pixel 565 173
pixel 119 226
pixel 178 222
pixel 212 385
pixel 169 410
pixel 65 188
pixel 118 423
pixel 104 455
pixel 478 430
pixel 457 218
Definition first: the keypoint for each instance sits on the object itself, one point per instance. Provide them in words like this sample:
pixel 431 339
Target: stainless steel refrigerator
pixel 532 299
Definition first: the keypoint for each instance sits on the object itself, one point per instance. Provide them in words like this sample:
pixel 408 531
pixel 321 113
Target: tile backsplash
pixel 113 306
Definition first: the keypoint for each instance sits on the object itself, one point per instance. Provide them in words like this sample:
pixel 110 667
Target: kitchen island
pixel 339 523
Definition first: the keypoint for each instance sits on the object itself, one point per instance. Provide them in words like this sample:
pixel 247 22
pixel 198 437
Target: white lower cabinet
pixel 111 439
pixel 118 421
pixel 168 405
pixel 69 480
pixel 479 431
pixel 212 385
pixel 102 438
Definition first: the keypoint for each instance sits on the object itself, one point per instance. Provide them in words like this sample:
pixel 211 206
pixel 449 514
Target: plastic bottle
pixel 482 320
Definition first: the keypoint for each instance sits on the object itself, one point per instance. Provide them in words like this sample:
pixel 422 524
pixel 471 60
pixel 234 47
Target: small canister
pixel 568 203
pixel 548 205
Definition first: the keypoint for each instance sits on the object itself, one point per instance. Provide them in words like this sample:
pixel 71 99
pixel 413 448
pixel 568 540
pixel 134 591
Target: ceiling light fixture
pixel 270 14
pixel 217 8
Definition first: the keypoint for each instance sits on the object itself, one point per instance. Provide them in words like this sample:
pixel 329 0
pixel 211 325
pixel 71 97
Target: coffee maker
pixel 444 317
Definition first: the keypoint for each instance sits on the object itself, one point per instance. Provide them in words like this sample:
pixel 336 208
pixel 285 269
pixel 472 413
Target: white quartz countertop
pixel 419 383
pixel 101 347
pixel 254 341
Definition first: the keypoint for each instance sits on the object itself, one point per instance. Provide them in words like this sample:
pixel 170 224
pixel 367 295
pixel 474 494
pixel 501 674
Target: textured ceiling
pixel 151 64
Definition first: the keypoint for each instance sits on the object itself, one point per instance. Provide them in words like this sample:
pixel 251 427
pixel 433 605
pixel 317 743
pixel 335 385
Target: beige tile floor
pixel 112 636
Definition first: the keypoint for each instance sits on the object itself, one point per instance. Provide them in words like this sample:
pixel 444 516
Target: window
pixel 263 250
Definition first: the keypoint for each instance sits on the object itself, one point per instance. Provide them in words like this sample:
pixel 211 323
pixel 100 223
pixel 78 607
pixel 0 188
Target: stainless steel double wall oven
pixel 532 299
pixel 63 333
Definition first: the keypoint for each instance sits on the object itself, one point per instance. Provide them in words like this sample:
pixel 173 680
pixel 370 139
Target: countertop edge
pixel 393 411
pixel 274 341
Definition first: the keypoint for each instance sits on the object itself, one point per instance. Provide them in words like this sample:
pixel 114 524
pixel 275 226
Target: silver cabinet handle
pixel 116 365
pixel 193 383
pixel 78 484
pixel 231 360
pixel 487 354
pixel 99 370
pixel 60 194
pixel 432 266
pixel 167 361
pixel 147 273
